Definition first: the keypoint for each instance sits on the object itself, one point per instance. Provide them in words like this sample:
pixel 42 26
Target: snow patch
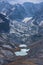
pixel 22 45
pixel 27 19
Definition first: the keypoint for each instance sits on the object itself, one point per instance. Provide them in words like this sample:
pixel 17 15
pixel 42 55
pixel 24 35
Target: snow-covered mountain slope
pixel 20 11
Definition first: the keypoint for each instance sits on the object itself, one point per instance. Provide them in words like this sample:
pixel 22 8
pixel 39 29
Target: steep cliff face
pixel 4 23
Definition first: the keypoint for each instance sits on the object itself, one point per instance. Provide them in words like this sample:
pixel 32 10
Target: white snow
pixel 27 19
pixel 41 23
pixel 3 13
pixel 22 45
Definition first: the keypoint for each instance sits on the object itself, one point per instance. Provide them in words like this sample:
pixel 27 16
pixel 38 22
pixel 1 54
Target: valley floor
pixel 34 56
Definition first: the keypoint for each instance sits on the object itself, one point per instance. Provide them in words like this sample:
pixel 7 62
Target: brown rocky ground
pixel 34 57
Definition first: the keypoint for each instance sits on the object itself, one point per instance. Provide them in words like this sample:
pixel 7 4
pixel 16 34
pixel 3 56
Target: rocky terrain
pixel 21 34
pixel 34 57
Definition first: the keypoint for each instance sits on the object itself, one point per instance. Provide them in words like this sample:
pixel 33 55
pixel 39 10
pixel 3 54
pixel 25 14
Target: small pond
pixel 22 52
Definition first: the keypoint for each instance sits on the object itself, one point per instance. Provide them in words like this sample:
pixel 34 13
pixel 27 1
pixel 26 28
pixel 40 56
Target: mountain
pixel 5 7
pixel 20 24
pixel 30 8
pixel 19 11
pixel 38 20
